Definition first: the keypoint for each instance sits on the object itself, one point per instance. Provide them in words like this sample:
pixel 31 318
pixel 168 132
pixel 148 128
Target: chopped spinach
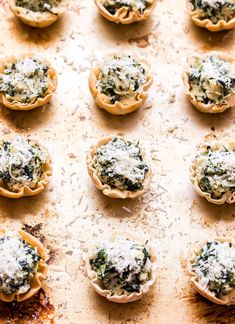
pixel 39 5
pixel 119 164
pixel 118 270
pixel 215 10
pixel 215 266
pixel 121 77
pixel 211 79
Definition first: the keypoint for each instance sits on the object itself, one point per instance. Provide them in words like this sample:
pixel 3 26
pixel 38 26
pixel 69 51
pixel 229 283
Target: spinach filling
pixel 215 10
pixel 119 164
pixel 215 267
pixel 215 171
pixel 211 79
pixel 25 80
pixel 132 5
pixel 18 263
pixel 121 77
pixel 39 5
pixel 123 266
pixel 21 163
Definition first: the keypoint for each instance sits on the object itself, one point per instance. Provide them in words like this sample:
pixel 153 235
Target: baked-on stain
pixel 204 311
pixel 36 310
pixel 35 231
pixel 141 42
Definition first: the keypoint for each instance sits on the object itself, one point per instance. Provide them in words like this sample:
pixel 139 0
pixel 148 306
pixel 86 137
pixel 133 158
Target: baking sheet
pixel 71 212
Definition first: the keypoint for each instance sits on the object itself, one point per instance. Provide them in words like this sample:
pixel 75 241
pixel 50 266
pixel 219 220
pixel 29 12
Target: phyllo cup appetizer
pixel 25 167
pixel 119 84
pixel 119 168
pixel 213 172
pixel 214 15
pixel 212 270
pixel 210 82
pixel 125 11
pixel 37 13
pixel 26 82
pixel 23 265
pixel 122 269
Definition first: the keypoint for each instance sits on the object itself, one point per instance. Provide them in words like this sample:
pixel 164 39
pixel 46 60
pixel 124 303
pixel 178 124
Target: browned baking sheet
pixel 71 213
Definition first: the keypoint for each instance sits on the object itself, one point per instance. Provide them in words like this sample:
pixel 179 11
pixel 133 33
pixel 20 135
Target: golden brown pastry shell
pixel 229 101
pixel 105 188
pixel 35 19
pixel 123 299
pixel 15 105
pixel 26 190
pixel 228 299
pixel 124 106
pixel 40 274
pixel 207 23
pixel 228 197
pixel 122 16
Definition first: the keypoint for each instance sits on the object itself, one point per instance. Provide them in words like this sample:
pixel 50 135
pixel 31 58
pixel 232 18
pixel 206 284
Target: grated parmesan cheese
pixel 122 265
pixel 21 163
pixel 18 263
pixel 215 170
pixel 25 80
pixel 119 163
pixel 215 267
pixel 121 77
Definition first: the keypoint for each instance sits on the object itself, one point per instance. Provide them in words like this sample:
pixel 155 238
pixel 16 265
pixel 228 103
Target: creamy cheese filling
pixel 39 5
pixel 21 163
pixel 211 79
pixel 215 171
pixel 122 265
pixel 215 10
pixel 215 267
pixel 121 77
pixel 119 164
pixel 25 80
pixel 18 263
pixel 133 5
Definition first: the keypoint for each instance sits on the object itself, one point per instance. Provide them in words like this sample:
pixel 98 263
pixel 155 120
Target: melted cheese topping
pixel 119 164
pixel 212 79
pixel 18 262
pixel 215 170
pixel 25 80
pixel 21 163
pixel 39 5
pixel 215 267
pixel 121 77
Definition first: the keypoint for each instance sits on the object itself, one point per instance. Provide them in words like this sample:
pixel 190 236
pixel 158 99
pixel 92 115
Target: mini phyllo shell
pixel 119 84
pixel 125 11
pixel 37 13
pixel 25 167
pixel 210 82
pixel 213 172
pixel 122 269
pixel 212 270
pixel 23 265
pixel 119 168
pixel 214 15
pixel 26 82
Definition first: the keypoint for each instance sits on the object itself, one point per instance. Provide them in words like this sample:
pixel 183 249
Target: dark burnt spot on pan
pixel 36 310
pixel 205 310
pixel 35 230
pixel 52 254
